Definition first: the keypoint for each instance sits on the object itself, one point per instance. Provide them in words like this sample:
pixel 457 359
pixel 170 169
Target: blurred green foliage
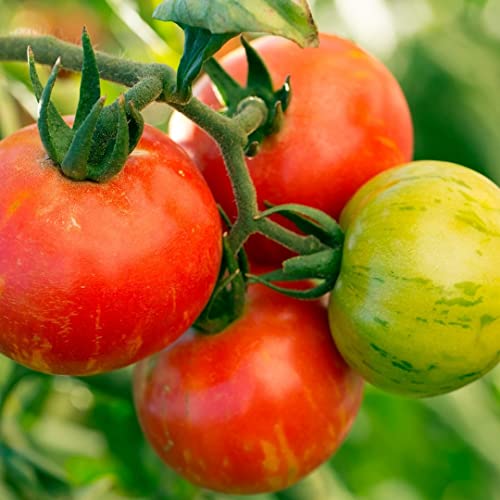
pixel 69 438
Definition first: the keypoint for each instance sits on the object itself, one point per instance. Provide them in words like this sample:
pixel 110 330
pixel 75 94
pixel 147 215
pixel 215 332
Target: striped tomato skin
pixel 253 408
pixel 416 308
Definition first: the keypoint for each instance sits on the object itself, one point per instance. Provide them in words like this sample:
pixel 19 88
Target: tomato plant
pixel 255 407
pixel 416 307
pixel 347 121
pixel 113 260
pixel 96 276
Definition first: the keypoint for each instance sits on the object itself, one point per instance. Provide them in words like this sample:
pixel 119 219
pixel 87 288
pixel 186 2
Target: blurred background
pixel 70 438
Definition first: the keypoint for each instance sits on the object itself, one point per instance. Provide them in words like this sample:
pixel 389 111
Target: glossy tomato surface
pixel 255 407
pixel 347 121
pixel 416 307
pixel 96 276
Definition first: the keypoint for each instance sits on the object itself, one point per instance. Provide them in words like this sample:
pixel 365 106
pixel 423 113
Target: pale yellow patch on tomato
pixel 357 54
pixel 271 460
pixel 288 454
pixel 16 204
pixel 188 456
pixel 387 142
pixel 38 356
pixel 91 364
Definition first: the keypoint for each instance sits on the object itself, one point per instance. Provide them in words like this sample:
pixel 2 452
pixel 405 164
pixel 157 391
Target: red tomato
pixel 97 276
pixel 255 407
pixel 347 121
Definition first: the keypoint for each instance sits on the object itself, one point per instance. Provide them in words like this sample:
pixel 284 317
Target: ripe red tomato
pixel 255 407
pixel 347 121
pixel 97 276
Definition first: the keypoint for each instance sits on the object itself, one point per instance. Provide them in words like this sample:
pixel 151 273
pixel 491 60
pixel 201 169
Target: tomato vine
pixel 157 82
pixel 93 149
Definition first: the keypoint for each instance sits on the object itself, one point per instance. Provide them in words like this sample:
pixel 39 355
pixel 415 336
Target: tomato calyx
pixel 259 84
pixel 101 138
pixel 318 262
pixel 321 265
pixel 228 299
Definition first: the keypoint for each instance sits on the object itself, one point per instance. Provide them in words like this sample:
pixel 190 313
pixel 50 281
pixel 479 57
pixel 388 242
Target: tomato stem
pixel 48 49
pixel 150 82
pixel 231 134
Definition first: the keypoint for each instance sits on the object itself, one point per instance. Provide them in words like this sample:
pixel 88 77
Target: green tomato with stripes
pixel 416 307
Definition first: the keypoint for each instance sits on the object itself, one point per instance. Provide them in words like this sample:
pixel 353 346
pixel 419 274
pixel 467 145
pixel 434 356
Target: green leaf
pixel 291 19
pixel 199 46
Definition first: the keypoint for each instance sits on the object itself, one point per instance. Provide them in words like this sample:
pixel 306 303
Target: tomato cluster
pixel 94 277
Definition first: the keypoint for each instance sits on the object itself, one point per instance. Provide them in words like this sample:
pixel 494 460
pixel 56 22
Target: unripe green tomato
pixel 416 308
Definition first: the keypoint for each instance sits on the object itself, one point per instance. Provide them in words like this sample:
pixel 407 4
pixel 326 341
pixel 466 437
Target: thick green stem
pixel 47 49
pixel 144 92
pixel 149 82
pixel 232 135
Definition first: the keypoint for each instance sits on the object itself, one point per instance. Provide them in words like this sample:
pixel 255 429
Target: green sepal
pixel 53 114
pixel 230 91
pixel 90 85
pixel 135 126
pixel 258 74
pixel 117 150
pixel 97 146
pixel 55 134
pixel 76 161
pixel 199 46
pixel 259 84
pixel 35 79
pixel 228 299
pixel 284 95
pixel 105 136
pixel 322 267
pixel 311 293
pixel 310 221
pixel 319 265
